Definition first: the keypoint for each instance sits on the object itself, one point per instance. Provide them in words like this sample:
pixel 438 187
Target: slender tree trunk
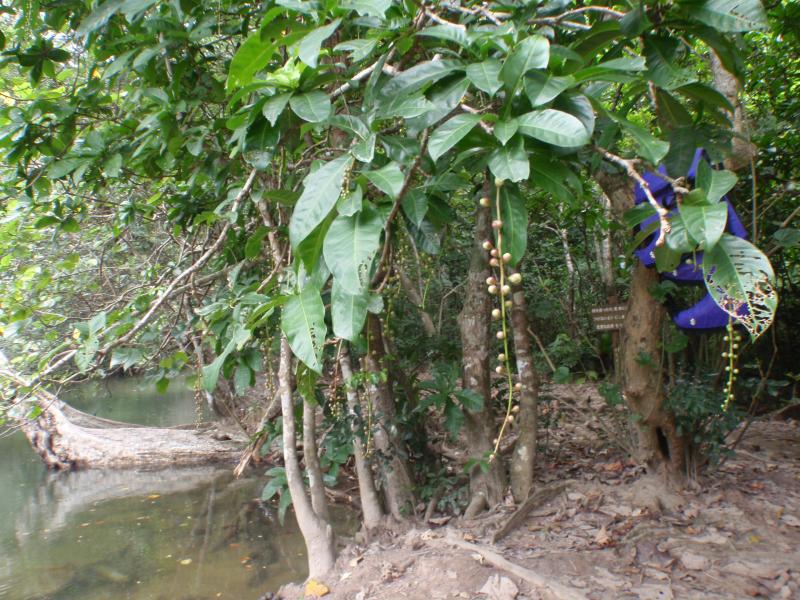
pixel 660 446
pixel 399 487
pixel 311 458
pixel 743 150
pixel 570 264
pixel 523 462
pixel 370 501
pixel 317 532
pixel 416 299
pixel 486 488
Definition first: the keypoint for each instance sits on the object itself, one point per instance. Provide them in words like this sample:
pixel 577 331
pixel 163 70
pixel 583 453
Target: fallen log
pixel 66 438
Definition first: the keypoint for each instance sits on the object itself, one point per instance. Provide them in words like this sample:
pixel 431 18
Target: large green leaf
pixel 740 279
pixel 388 179
pixel 531 53
pixel 367 8
pixel 649 147
pixel 505 130
pixel 321 190
pixel 303 324
pixel 313 107
pixel 351 245
pixel 252 56
pixel 705 221
pixel 348 311
pixel 309 47
pixel 418 77
pixel 274 106
pixel 716 183
pixel 239 336
pixel 542 87
pixel 515 223
pixel 554 127
pixel 730 15
pixel 510 163
pixel 485 75
pixel 450 133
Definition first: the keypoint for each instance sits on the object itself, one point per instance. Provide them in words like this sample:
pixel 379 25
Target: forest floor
pixel 611 532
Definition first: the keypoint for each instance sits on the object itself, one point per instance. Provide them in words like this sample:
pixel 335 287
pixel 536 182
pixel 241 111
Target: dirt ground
pixel 612 532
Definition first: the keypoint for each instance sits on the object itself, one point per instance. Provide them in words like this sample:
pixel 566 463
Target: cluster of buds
pixel 733 339
pixel 500 284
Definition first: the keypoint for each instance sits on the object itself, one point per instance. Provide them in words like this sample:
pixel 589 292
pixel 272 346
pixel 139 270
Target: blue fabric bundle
pixel 706 314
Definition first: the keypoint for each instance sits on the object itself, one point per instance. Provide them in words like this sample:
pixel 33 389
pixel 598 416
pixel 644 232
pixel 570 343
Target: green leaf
pixel 470 400
pixel 515 223
pixel 510 163
pixel 351 245
pixel 485 75
pixel 449 33
pixel 242 378
pixel 253 246
pixel 450 133
pixel 239 336
pixel 98 17
pixel 662 65
pixel 321 190
pixel 350 204
pixel 704 221
pixel 348 312
pixel 367 8
pixel 415 206
pixel 86 353
pixel 715 182
pixel 649 147
pixel 541 87
pixel 740 278
pixel 418 77
pixel 309 47
pixel 303 324
pixel 453 418
pixel 358 49
pixel 554 127
pixel 730 15
pixel 274 106
pixel 388 179
pixel 505 130
pixel 531 53
pixel 252 56
pixel 313 107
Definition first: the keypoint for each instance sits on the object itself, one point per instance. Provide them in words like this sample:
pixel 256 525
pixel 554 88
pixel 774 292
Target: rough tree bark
pixel 416 299
pixel 399 487
pixel 660 446
pixel 372 512
pixel 486 488
pixel 523 461
pixel 317 532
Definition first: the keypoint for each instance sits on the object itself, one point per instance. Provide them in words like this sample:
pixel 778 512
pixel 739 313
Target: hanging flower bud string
pixel 501 288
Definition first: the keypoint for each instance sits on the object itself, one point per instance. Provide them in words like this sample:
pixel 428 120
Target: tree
pixel 286 148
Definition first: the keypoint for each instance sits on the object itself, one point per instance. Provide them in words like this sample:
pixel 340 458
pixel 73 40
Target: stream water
pixel 187 534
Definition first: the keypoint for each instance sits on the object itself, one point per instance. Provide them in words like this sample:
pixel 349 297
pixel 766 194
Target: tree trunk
pixel 416 299
pixel 743 150
pixel 523 462
pixel 311 458
pixel 660 446
pixel 372 512
pixel 486 488
pixel 399 487
pixel 317 532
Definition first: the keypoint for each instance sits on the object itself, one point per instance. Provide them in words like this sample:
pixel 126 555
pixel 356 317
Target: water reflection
pixel 185 534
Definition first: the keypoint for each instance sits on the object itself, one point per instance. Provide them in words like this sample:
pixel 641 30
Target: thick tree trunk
pixel 317 532
pixel 372 512
pixel 660 446
pixel 399 487
pixel 523 462
pixel 486 488
pixel 311 458
pixel 66 438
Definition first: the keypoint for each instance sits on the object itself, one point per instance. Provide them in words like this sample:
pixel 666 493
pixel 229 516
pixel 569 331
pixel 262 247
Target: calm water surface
pixel 187 534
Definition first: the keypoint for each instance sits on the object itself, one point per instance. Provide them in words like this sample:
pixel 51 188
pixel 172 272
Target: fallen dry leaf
pixel 315 589
pixel 499 588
